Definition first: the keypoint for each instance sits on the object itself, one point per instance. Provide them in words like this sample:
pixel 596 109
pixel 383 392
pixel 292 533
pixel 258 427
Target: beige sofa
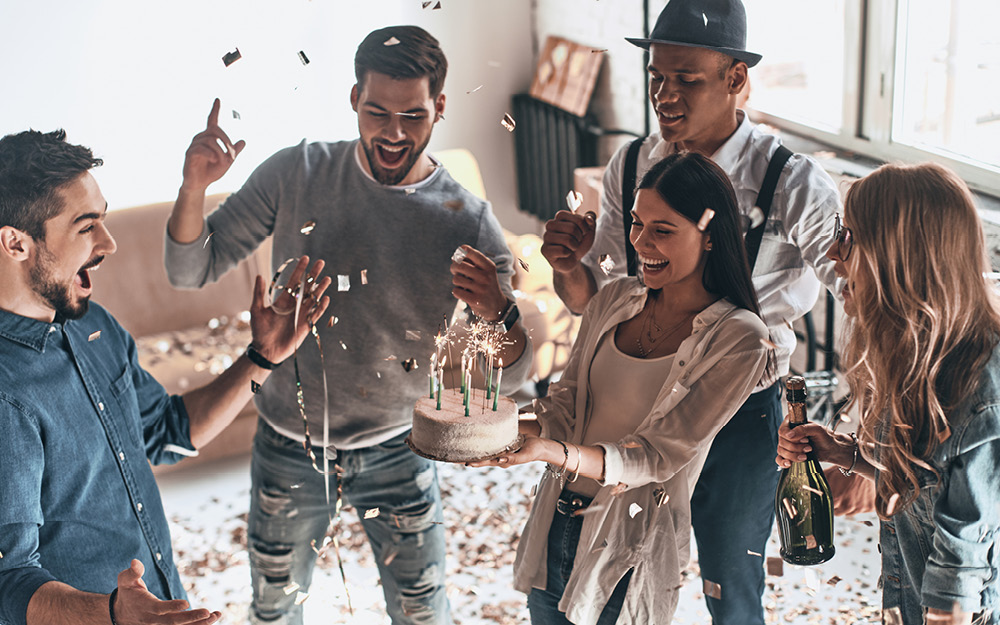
pixel 186 337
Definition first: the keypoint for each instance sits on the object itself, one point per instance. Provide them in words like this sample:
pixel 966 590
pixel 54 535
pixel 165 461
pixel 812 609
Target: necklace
pixel 647 330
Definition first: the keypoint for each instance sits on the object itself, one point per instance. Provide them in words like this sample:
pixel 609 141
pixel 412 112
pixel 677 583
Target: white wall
pixel 135 79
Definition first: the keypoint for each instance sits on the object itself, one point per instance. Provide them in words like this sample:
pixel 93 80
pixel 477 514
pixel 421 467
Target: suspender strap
pixel 628 197
pixel 764 198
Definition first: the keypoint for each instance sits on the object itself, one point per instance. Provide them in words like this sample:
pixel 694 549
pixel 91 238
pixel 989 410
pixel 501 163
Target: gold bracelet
pixel 576 471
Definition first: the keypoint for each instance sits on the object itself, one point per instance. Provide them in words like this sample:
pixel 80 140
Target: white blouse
pixel 712 374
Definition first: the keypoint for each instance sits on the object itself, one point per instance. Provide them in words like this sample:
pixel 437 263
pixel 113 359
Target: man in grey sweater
pixel 386 218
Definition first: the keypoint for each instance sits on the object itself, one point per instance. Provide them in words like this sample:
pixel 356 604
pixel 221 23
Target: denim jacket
pixel 78 420
pixel 941 551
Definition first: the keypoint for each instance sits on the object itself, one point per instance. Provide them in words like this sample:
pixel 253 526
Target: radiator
pixel 550 143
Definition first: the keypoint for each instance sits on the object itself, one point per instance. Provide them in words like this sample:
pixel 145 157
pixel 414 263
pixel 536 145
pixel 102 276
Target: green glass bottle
pixel 802 504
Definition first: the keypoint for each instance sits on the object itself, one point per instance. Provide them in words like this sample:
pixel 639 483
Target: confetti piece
pixel 704 18
pixel 409 364
pixel 775 566
pixel 390 357
pixel 254 386
pixel 508 122
pixel 632 445
pixel 459 255
pixel 207 239
pixel 619 488
pixel 815 491
pixel 231 57
pixel 94 336
pixel 600 547
pixel 236 114
pixel 364 276
pixel 892 616
pixel 768 344
pixel 534 489
pixel 811 542
pixel 390 556
pixel 301 598
pixel 332 321
pixel 706 218
pixel 184 451
pixel 890 509
pixel 371 513
pixel 391 41
pixel 833 581
pixel 524 265
pixel 661 496
pixel 712 589
pixel 437 6
pixel 455 205
pixel 756 217
pixel 596 51
pixel 754 553
pixel 634 509
pixel 303 58
pixel 308 227
pixel 290 588
pixel 343 345
pixel 868 523
pixel 343 283
pixel 789 507
pixel 474 90
pixel 811 579
pixel 574 200
pixel 412 335
pixel 378 374
pixel 607 264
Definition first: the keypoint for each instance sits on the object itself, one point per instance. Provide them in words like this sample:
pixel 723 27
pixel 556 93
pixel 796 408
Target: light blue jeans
pixel 288 511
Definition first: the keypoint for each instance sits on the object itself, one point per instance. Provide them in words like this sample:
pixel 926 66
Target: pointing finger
pixel 213 116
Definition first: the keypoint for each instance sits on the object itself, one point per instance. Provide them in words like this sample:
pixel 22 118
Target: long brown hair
pixel 926 320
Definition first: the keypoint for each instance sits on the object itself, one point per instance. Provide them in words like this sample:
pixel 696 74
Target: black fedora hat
pixel 719 25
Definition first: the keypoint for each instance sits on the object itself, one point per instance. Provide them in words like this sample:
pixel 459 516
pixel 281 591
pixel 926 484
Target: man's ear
pixel 738 76
pixel 354 98
pixel 15 244
pixel 439 107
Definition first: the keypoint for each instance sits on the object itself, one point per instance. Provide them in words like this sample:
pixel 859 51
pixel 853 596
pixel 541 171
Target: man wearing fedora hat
pixel 698 64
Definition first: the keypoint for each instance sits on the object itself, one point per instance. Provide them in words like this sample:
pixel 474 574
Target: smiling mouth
pixel 669 118
pixel 652 264
pixel 391 155
pixel 83 276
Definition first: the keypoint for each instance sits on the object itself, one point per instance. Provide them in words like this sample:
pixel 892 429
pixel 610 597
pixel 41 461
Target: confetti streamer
pixel 508 122
pixel 308 227
pixel 231 57
pixel 94 336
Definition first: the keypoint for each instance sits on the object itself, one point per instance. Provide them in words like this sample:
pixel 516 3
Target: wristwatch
pixel 509 315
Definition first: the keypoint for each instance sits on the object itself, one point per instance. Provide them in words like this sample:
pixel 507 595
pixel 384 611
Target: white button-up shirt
pixel 798 233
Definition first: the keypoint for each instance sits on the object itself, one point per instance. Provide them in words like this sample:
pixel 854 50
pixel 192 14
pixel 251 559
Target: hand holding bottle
pixel 825 445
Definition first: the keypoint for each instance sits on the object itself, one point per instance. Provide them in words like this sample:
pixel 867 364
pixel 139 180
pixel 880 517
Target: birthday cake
pixel 450 436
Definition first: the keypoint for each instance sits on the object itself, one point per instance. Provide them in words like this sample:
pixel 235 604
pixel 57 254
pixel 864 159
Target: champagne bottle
pixel 803 504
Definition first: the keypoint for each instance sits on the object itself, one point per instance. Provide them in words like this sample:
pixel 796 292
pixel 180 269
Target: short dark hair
pixel 417 54
pixel 33 166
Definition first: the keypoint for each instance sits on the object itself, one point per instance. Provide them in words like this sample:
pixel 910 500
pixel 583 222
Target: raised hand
pixel 567 239
pixel 135 605
pixel 474 281
pixel 206 160
pixel 275 331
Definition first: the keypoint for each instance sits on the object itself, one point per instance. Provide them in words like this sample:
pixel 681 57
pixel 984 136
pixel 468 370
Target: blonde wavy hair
pixel 926 320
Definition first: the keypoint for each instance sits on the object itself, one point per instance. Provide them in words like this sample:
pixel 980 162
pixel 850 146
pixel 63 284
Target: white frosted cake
pixel 449 435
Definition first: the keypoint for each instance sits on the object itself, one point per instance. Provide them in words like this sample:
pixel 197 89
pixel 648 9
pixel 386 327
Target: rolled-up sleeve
pixel 21 467
pixel 967 521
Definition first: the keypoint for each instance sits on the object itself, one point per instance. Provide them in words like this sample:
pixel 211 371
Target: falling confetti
pixel 409 364
pixel 308 227
pixel 944 434
pixel 391 41
pixel 754 553
pixel 574 200
pixel 409 191
pixel 706 218
pixel 343 345
pixel 712 589
pixel 413 335
pixel 789 507
pixel 619 488
pixel 332 321
pixel 768 344
pixel 607 264
pixel 207 239
pixel 815 491
pixel 892 616
pixel 474 90
pixel 598 51
pixel 632 445
pixel 364 276
pixel 775 566
pixel 811 542
pixel 833 581
pixel 231 57
pixel 303 58
pixel 371 513
pixel 254 386
pixel 890 509
pixel 390 555
pixel 455 205
pixel 290 588
pixel 704 18
pixel 459 255
pixel 301 598
pixel 94 336
pixel 343 283
pixel 390 357
pixel 508 122
pixel 634 509
pixel 524 265
pixel 661 496
pixel 756 217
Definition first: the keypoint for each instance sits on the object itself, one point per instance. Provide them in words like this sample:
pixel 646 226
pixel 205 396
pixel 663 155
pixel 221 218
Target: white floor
pixel 484 511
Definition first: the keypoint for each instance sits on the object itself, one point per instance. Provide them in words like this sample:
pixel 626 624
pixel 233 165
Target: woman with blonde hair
pixel 923 364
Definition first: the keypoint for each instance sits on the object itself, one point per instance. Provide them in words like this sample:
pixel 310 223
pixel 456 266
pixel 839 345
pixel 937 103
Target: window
pixel 909 80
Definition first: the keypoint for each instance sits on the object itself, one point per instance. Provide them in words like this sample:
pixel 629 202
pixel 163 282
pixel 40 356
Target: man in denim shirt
pixel 80 420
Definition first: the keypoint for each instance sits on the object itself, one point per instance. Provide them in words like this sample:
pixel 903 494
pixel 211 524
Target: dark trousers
pixel 732 510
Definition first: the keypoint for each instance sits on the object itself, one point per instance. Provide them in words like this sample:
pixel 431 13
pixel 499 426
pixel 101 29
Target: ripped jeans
pixel 288 511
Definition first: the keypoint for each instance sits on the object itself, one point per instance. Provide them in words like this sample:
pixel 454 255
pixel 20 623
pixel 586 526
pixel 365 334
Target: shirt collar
pixel 707 317
pixel 730 154
pixel 26 331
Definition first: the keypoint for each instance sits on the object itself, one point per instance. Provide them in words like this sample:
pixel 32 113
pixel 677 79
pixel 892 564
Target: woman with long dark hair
pixel 658 367
pixel 923 364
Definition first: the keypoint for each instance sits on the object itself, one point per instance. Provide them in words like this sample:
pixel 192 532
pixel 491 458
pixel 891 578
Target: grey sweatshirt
pixel 402 238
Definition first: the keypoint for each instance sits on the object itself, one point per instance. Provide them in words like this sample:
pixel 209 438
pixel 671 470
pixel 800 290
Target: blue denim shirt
pixel 78 419
pixel 941 551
